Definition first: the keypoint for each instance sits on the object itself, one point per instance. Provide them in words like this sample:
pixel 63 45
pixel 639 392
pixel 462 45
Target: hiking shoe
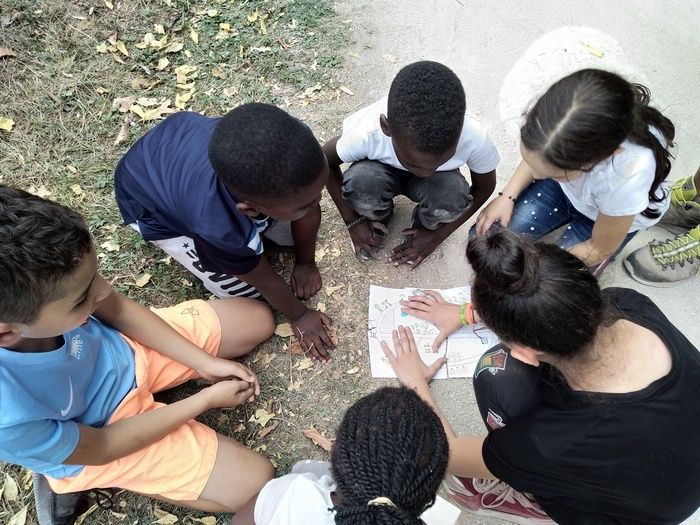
pixel 492 497
pixel 664 264
pixel 684 211
pixel 57 509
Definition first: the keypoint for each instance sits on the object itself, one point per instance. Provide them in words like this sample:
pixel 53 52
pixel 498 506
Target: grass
pixel 73 60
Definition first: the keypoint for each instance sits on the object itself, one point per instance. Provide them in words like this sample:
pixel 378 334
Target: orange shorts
pixel 178 466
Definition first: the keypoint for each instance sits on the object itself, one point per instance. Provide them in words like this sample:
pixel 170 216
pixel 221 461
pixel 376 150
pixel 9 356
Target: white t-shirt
pixel 363 138
pixel 620 186
pixel 296 499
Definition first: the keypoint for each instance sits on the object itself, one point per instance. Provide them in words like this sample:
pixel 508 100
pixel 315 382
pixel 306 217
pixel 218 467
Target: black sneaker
pixel 57 509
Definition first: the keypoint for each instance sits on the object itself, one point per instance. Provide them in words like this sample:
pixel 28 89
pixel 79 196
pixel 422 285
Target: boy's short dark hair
pixel 41 242
pixel 426 105
pixel 258 150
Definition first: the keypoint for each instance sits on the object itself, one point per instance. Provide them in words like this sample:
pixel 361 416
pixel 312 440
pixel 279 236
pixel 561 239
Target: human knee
pixel 365 188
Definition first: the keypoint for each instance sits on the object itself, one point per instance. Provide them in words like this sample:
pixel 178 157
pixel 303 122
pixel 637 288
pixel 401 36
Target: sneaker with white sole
pixel 667 263
pixel 496 499
pixel 684 212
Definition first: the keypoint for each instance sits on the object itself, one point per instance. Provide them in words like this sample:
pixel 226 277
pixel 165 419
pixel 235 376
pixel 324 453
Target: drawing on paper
pixel 463 348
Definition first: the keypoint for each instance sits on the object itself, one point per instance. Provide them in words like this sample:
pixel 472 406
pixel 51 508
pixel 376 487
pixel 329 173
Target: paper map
pixel 463 348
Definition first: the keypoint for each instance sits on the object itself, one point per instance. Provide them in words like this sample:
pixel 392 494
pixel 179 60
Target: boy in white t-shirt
pixel 413 143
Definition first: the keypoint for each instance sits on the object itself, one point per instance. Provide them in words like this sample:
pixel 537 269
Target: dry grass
pixel 60 89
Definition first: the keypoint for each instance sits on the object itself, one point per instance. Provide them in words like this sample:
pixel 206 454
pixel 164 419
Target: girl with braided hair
pixel 595 156
pixel 388 460
pixel 589 399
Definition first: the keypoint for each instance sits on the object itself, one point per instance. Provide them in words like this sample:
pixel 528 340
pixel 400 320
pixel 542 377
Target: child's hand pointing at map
pixel 433 307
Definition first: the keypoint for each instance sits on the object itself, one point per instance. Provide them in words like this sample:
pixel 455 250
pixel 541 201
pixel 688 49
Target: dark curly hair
pixel 41 242
pixel 426 105
pixel 258 150
pixel 584 117
pixel 390 444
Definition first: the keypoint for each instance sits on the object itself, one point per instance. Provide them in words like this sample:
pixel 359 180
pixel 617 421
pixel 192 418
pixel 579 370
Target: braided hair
pixel 390 444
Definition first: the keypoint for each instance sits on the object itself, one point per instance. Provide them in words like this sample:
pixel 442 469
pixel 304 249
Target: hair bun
pixel 507 261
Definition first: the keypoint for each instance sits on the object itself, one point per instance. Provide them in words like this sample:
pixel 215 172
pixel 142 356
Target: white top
pixel 296 499
pixel 363 138
pixel 304 497
pixel 620 186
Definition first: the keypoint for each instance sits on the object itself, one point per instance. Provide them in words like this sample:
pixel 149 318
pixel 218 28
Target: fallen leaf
pixel 147 102
pixel 123 132
pixel 346 90
pixel 353 55
pixel 102 90
pixel 174 47
pixel 75 188
pixel 110 246
pixel 212 13
pixel 124 103
pixel 598 53
pixel 164 518
pixel 72 168
pixel 389 58
pixel 20 518
pixel 159 29
pixel 121 48
pixel 181 99
pixel 320 254
pixel 239 428
pixel 319 439
pixel 144 83
pixel 321 307
pixel 6 52
pixel 216 72
pixel 152 114
pixel 10 490
pixel 6 123
pixel 295 348
pixel 194 36
pixel 41 191
pixel 109 5
pixel 143 280
pixel 305 364
pixel 252 18
pixel 267 430
pixel 206 520
pixel 284 330
pixel 353 370
pixel 262 417
pixel 162 64
pixel 185 73
pixel 231 91
pixel 330 290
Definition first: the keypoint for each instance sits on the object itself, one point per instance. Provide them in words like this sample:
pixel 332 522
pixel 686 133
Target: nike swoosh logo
pixel 65 411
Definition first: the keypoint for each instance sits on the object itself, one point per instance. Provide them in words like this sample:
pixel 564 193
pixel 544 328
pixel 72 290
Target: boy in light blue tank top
pixel 79 364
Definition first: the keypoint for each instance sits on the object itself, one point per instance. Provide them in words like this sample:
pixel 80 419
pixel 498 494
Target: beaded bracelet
pixel 509 197
pixel 357 221
pixel 466 314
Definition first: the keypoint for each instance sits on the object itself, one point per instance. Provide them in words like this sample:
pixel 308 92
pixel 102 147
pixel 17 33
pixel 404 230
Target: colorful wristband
pixel 355 222
pixel 466 314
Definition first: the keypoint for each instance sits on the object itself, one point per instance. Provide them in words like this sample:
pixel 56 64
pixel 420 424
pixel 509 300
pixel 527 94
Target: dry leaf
pixel 231 91
pixel 267 430
pixel 162 64
pixel 305 364
pixel 262 417
pixel 295 348
pixel 10 490
pixel 346 90
pixel 598 53
pixel 252 18
pixel 75 188
pixel 164 518
pixel 321 307
pixel 174 47
pixel 319 439
pixel 216 72
pixel 181 100
pixel 320 254
pixel 194 36
pixel 72 168
pixel 147 102
pixel 144 83
pixel 330 290
pixel 284 330
pixel 143 280
pixel 212 12
pixel 353 370
pixel 41 191
pixel 20 518
pixel 124 103
pixel 109 5
pixel 158 28
pixel 6 123
pixel 102 90
pixel 121 48
pixel 6 52
pixel 110 246
pixel 185 73
pixel 123 132
pixel 206 520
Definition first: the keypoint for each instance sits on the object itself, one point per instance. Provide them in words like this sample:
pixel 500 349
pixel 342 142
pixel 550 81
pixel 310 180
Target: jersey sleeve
pixel 46 441
pixel 484 158
pixel 236 260
pixel 631 195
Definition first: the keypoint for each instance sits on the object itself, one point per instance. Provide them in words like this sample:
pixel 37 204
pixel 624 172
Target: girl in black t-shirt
pixel 590 400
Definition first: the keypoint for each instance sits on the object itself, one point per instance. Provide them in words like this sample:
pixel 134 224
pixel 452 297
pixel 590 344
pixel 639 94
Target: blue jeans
pixel 543 207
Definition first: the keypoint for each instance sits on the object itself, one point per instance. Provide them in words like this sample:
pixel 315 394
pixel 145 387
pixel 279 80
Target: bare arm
pixel 607 236
pixel 246 515
pixel 501 208
pixel 99 446
pixel 306 278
